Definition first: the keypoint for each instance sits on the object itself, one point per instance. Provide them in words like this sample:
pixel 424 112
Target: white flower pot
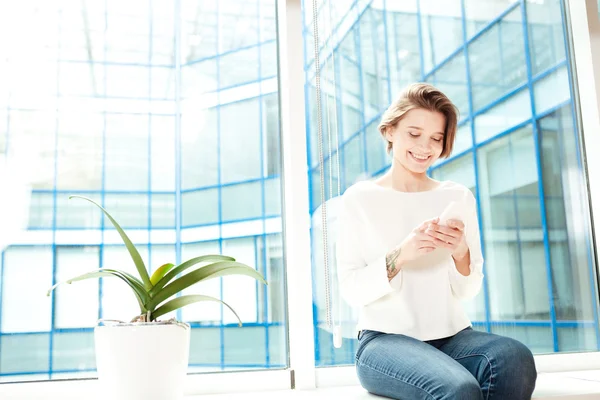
pixel 142 360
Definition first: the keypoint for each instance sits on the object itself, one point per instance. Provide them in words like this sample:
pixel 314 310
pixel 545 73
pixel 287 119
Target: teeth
pixel 419 157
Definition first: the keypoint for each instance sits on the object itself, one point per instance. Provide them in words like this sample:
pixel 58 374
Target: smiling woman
pixel 407 271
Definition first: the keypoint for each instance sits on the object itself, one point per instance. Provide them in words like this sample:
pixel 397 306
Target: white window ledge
pixel 581 385
pixel 561 377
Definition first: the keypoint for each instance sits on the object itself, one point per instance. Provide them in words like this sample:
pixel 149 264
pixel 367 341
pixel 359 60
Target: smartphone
pixel 452 211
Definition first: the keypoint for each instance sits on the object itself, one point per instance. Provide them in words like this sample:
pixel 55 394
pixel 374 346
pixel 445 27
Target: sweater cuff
pixel 457 275
pixel 465 286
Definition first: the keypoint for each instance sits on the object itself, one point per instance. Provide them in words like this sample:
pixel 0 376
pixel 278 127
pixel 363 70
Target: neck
pixel 400 178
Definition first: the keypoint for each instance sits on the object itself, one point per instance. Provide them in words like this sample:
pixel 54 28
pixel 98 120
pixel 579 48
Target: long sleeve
pixel 361 281
pixel 467 287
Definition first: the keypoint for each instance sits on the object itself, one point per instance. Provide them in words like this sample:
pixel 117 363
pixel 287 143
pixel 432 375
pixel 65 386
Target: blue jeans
pixel 468 365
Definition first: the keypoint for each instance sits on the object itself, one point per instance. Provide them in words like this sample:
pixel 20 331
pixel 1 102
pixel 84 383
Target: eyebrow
pixel 420 129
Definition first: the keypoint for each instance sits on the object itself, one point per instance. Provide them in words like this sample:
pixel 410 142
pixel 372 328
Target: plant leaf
pixel 135 280
pixel 183 301
pixel 135 255
pixel 134 284
pixel 185 265
pixel 159 273
pixel 210 271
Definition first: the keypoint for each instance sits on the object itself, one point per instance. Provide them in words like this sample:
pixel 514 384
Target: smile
pixel 419 157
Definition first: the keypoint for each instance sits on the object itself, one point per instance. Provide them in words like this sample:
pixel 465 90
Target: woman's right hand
pixel 416 244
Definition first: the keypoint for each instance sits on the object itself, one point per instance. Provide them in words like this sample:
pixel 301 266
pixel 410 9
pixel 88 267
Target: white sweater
pixel 424 299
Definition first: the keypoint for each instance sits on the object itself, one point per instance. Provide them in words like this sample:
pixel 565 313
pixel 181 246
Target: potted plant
pixel 147 358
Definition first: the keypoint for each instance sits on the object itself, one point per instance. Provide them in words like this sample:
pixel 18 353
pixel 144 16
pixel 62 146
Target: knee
pixel 516 364
pixel 520 358
pixel 458 385
pixel 465 388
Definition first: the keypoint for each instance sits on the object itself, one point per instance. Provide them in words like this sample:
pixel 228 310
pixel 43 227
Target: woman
pixel 408 271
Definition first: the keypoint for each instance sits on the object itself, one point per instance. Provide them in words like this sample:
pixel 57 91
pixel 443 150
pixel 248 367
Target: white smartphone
pixel 452 211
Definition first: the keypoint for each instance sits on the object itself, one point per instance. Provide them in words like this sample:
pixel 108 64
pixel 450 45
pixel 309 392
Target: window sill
pixel 581 385
pixel 561 377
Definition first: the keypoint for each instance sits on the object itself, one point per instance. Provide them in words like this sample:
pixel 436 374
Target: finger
pixel 446 230
pixel 425 244
pixel 426 240
pixel 441 243
pixel 452 238
pixel 423 236
pixel 441 236
pixel 425 224
pixel 429 247
pixel 456 224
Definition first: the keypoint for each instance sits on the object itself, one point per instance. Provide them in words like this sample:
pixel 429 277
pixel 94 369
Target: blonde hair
pixel 424 96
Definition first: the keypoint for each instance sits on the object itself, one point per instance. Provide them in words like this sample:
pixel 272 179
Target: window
pixel 525 168
pixel 497 60
pixel 451 78
pixel 546 37
pixel 441 32
pixel 96 112
pixel 168 114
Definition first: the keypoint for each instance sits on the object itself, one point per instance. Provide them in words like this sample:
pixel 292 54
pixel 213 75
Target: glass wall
pixel 170 120
pixel 504 65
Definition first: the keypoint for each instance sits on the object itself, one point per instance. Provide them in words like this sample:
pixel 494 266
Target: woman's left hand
pixel 451 237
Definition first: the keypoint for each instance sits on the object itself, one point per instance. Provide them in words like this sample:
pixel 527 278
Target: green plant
pixel 155 293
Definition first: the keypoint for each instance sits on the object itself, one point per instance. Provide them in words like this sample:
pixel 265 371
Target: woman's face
pixel 418 139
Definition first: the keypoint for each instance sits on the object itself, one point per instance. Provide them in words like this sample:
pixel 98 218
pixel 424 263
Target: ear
pixel 389 134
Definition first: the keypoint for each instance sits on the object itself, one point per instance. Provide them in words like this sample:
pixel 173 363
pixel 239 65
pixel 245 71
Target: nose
pixel 423 145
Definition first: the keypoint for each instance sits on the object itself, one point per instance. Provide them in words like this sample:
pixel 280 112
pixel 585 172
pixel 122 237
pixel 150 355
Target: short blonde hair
pixel 424 96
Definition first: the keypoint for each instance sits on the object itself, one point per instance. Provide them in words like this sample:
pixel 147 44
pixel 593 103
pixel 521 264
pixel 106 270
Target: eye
pixel 437 139
pixel 413 134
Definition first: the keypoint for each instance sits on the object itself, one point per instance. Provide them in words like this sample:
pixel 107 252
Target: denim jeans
pixel 468 365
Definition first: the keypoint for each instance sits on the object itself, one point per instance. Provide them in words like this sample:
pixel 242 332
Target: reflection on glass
pixel 497 60
pixel 566 215
pixel 546 37
pixel 377 156
pixel 238 67
pixel 451 78
pixel 464 138
pixel 538 265
pixel 441 30
pixel 403 48
pixel 512 229
pixel 352 160
pixel 240 128
pixel 94 113
pixel 552 90
pixel 480 13
pixel 509 112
